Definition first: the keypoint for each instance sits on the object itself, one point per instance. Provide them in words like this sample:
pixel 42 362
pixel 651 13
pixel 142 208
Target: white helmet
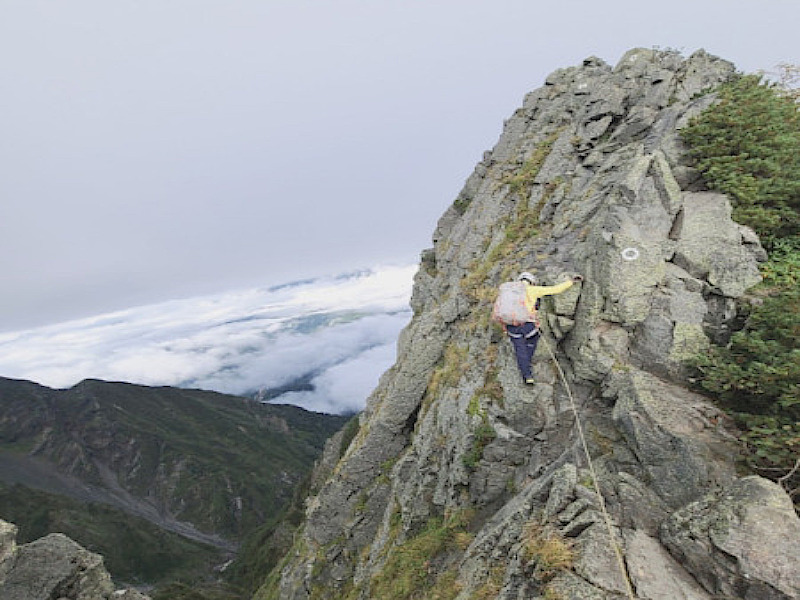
pixel 529 277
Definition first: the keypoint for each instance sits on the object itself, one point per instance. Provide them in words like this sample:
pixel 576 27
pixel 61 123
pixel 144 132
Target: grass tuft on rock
pixel 547 550
pixel 410 571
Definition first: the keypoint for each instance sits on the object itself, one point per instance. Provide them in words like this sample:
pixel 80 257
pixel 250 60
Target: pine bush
pixel 747 145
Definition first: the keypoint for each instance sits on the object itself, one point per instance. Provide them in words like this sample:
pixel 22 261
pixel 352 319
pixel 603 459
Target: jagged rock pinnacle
pixel 589 176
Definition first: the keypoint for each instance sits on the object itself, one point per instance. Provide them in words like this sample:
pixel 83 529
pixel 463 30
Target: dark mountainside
pixel 461 483
pixel 165 483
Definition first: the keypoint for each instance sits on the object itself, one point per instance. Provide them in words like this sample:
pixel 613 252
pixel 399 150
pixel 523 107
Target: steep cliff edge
pixel 464 483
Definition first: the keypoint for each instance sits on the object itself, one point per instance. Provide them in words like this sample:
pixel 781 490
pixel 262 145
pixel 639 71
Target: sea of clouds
pixel 321 344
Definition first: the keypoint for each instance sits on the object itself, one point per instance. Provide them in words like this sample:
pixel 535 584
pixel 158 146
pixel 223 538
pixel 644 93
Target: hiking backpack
pixel 510 307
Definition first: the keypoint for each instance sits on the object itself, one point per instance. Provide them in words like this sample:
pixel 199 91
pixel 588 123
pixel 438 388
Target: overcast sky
pixel 158 149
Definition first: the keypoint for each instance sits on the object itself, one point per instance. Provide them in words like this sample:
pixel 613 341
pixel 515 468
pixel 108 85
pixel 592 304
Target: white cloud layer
pixel 335 336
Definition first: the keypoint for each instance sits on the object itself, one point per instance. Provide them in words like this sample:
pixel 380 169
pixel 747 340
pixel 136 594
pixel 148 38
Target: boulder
pixel 8 540
pixel 740 542
pixel 655 574
pixel 711 246
pixel 673 435
pixel 54 568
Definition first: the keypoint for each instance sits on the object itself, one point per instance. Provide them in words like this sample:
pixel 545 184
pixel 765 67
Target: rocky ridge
pixel 588 176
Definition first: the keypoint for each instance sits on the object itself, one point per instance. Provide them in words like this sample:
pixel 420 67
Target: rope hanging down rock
pixel 606 517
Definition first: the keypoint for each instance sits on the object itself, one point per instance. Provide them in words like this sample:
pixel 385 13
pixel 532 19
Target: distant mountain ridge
pixel 203 465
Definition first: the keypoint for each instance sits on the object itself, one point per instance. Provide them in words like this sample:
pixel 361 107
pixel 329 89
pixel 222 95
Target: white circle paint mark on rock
pixel 630 254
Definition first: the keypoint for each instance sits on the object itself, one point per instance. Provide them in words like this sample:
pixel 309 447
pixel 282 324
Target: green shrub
pixel 748 146
pixel 759 370
pixel 756 376
pixel 482 437
pixel 774 442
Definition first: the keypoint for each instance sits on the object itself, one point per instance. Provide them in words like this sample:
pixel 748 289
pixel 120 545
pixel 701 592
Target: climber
pixel 520 318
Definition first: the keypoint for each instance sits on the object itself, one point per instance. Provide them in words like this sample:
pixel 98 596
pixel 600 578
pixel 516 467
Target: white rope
pixel 595 481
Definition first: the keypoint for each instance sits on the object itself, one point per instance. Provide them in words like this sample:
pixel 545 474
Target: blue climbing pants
pixel 524 338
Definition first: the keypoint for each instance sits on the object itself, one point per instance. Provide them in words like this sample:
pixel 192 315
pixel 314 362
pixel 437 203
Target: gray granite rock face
pixel 741 541
pixel 711 247
pixel 53 568
pixel 589 176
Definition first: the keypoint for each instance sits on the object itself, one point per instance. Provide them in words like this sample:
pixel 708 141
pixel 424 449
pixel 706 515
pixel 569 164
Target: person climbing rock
pixel 517 307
